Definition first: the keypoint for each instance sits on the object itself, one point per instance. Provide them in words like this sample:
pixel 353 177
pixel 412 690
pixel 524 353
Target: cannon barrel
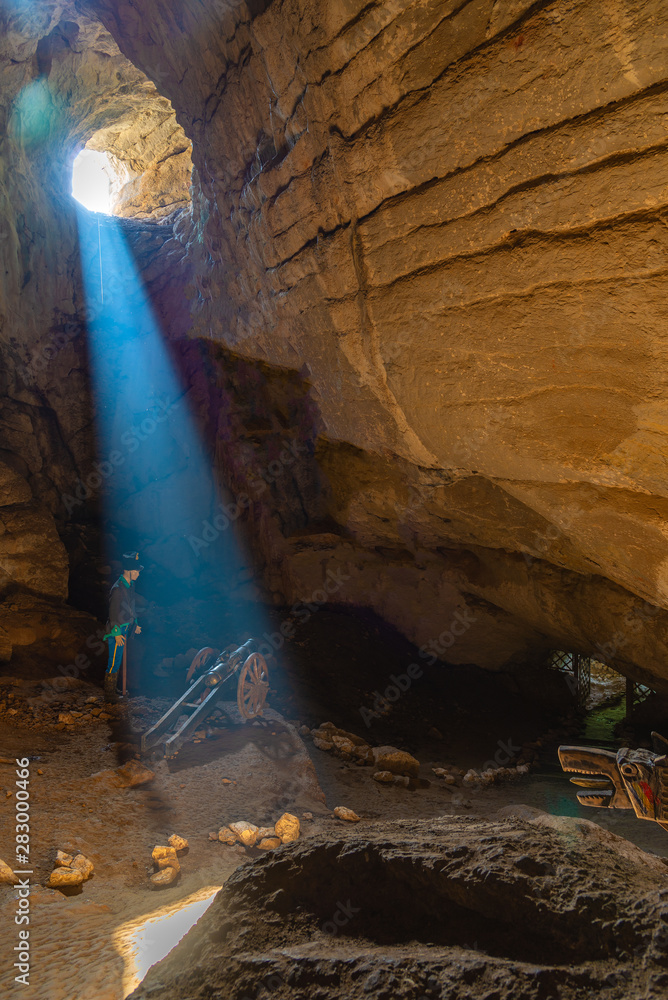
pixel 229 664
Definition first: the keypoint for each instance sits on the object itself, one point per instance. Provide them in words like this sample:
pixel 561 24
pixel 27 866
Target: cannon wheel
pixel 253 686
pixel 201 659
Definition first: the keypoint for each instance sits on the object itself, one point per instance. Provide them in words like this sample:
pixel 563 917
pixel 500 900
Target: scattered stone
pixel 164 854
pixel 7 876
pixel 228 781
pixel 383 776
pixel 344 744
pixel 127 776
pixel 84 865
pixel 265 831
pixel 213 835
pixel 226 836
pixel 63 860
pixel 245 832
pixel 304 731
pixel 63 877
pixel 307 815
pixel 396 761
pixel 448 778
pixel 287 828
pixel 522 768
pixel 171 862
pixel 164 878
pixel 269 843
pixel 178 843
pixel 342 812
pixel 134 773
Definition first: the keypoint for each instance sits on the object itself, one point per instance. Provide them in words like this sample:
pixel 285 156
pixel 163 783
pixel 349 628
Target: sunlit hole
pixel 93 174
pixel 142 943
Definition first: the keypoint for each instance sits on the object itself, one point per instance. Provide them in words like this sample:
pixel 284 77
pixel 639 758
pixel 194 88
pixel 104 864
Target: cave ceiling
pixel 445 222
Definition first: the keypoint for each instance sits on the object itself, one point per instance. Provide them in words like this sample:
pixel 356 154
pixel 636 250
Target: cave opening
pixel 93 174
pixel 120 173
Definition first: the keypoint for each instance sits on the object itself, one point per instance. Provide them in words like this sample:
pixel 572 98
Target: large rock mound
pixel 516 907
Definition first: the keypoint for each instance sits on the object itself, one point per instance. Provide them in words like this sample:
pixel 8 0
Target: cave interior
pixel 345 319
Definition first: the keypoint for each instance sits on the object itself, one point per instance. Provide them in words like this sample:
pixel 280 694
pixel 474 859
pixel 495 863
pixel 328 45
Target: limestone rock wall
pixel 31 553
pixel 448 217
pixel 62 81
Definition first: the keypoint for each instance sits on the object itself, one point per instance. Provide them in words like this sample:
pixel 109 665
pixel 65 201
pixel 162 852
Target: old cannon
pixel 211 675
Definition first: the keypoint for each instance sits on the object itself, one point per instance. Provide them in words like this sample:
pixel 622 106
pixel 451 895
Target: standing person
pixel 122 620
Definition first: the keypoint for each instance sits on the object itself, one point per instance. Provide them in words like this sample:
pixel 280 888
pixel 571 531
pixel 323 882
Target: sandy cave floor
pixel 82 944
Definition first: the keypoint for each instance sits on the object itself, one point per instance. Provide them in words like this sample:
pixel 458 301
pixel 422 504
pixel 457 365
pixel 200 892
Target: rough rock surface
pixel 7 876
pixel 349 815
pixel 63 878
pixel 178 843
pixel 287 828
pixel 127 776
pixel 396 761
pixel 31 553
pixel 511 908
pixel 430 236
pixel 245 832
pixel 84 865
pixel 269 843
pixel 165 877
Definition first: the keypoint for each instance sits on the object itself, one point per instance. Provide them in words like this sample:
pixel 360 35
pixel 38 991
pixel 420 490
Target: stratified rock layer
pixel 426 242
pixel 457 907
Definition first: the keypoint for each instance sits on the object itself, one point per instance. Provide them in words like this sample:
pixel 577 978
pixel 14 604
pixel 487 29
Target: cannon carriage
pixel 211 677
